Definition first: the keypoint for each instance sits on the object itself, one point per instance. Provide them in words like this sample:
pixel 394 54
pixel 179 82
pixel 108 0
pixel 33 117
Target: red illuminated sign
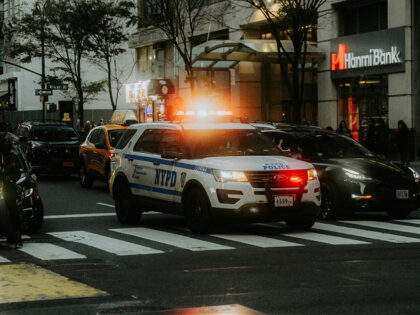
pixel 338 61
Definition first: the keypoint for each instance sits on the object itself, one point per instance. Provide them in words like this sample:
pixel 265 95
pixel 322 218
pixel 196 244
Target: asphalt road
pixel 363 265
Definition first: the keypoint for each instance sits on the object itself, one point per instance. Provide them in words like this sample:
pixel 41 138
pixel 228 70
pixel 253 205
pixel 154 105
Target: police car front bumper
pixel 267 212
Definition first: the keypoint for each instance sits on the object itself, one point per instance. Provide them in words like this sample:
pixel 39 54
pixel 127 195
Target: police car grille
pixel 277 179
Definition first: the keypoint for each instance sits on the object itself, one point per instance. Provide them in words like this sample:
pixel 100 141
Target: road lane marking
pixel 322 238
pixel 105 204
pixel 256 240
pixel 26 282
pixel 412 221
pixel 108 244
pixel 81 215
pixel 47 251
pixel 364 233
pixel 4 260
pixel 172 239
pixel 388 226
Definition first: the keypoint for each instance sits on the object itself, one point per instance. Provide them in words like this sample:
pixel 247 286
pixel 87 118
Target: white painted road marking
pixel 105 204
pixel 3 260
pixel 82 215
pixel 46 251
pixel 172 239
pixel 322 238
pixel 388 226
pixel 108 244
pixel 412 221
pixel 256 240
pixel 365 233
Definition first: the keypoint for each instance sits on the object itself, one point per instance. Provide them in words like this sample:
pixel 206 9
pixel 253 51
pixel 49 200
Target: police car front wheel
pixel 127 212
pixel 198 211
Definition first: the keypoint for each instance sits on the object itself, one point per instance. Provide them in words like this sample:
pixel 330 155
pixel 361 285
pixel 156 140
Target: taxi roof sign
pixel 123 117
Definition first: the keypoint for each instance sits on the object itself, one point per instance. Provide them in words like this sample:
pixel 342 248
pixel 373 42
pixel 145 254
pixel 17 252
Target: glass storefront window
pixel 362 99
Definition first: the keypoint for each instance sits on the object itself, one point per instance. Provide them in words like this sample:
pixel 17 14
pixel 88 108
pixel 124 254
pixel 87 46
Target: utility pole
pixel 43 83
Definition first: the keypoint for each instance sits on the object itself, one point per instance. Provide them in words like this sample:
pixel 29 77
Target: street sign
pixel 63 87
pixel 43 92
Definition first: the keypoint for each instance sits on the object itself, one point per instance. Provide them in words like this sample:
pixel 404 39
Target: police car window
pixel 171 140
pixel 125 138
pixel 234 142
pixel 149 141
pixel 94 136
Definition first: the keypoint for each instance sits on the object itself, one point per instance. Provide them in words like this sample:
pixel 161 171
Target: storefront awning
pixel 228 53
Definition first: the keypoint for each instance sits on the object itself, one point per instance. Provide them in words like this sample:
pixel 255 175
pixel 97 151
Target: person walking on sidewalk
pixel 343 129
pixel 402 142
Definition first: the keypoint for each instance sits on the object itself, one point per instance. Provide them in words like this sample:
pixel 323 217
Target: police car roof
pixel 196 126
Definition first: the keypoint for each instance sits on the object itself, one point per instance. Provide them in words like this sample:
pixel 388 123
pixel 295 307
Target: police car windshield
pixel 235 142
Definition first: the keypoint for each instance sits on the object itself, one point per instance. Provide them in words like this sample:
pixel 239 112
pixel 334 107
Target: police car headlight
pixel 355 175
pixel 415 174
pixel 28 192
pixel 312 174
pixel 229 176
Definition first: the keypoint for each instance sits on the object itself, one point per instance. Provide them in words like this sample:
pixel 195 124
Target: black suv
pixel 51 147
pixel 21 209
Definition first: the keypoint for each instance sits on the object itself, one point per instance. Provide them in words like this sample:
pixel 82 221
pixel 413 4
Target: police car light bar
pixel 204 113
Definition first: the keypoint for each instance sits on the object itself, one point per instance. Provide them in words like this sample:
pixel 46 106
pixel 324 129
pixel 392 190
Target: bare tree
pixel 296 18
pixel 179 20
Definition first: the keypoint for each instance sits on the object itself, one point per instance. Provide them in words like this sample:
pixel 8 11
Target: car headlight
pixel 355 175
pixel 229 176
pixel 28 192
pixel 415 174
pixel 312 174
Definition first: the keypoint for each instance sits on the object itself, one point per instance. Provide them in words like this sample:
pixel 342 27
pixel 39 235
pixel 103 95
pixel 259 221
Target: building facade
pixel 370 73
pixel 235 60
pixel 18 86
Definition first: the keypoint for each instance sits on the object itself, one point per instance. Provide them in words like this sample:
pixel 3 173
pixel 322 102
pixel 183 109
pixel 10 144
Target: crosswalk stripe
pixel 413 221
pixel 172 239
pixel 256 240
pixel 4 260
pixel 47 251
pixel 388 226
pixel 365 233
pixel 108 244
pixel 322 238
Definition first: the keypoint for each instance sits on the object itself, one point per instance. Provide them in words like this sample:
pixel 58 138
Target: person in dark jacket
pixel 370 135
pixel 402 142
pixel 381 139
pixel 343 129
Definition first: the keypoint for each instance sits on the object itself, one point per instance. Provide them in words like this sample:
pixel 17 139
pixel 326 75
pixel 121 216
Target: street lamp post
pixel 43 81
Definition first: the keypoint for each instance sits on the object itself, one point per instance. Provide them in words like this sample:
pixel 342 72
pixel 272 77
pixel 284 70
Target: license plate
pixel 68 164
pixel 402 194
pixel 283 201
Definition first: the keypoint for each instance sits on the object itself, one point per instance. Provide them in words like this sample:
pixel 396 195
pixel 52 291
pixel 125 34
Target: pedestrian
pixel 78 126
pixel 343 129
pixel 402 142
pixel 87 128
pixel 381 139
pixel 370 135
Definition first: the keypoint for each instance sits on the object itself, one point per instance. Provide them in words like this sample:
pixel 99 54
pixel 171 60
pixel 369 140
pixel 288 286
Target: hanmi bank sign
pixel 368 54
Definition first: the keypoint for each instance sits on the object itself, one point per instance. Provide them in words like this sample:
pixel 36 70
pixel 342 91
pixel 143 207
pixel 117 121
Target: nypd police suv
pixel 210 171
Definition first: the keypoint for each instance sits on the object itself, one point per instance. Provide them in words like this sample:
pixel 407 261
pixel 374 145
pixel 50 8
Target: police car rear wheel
pixel 198 212
pixel 127 213
pixel 85 179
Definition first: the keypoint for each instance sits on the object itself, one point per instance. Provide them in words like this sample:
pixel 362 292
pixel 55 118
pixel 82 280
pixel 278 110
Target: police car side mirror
pixel 172 155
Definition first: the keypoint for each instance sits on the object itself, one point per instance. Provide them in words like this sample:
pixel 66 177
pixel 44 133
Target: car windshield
pixel 54 133
pixel 205 143
pixel 114 136
pixel 331 146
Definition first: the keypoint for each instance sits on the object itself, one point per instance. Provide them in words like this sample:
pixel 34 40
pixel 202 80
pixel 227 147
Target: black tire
pixel 300 224
pixel 36 223
pixel 10 225
pixel 198 211
pixel 329 202
pixel 85 179
pixel 398 213
pixel 127 212
pixel 107 172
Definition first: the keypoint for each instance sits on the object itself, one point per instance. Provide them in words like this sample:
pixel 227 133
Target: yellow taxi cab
pixel 95 152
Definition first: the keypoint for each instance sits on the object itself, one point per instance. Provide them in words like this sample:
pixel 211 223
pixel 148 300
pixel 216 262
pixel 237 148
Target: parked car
pixel 51 147
pixel 352 178
pixel 21 208
pixel 96 152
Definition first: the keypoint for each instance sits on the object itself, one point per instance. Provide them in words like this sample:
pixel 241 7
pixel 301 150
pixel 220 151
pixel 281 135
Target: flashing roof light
pixel 204 113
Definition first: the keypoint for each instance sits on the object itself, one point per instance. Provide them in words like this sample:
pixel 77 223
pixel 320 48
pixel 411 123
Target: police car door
pixel 144 161
pixel 167 175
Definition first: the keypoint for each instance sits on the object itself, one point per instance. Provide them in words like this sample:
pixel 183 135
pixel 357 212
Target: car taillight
pixel 296 179
pixel 111 155
pixel 312 174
